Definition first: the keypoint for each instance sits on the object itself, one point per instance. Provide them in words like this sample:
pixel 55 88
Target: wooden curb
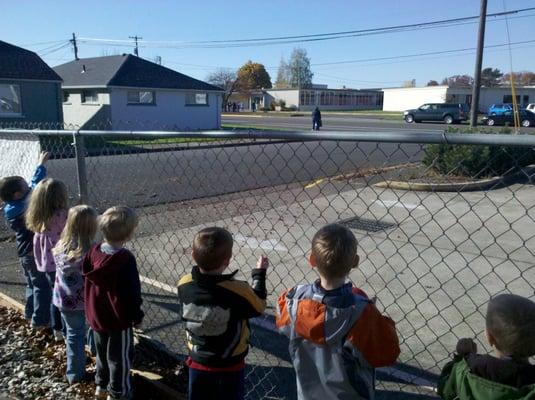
pixel 149 383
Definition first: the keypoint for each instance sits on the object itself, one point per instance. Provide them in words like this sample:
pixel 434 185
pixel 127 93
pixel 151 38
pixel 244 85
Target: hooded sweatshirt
pixel 337 339
pixel 112 290
pixel 476 376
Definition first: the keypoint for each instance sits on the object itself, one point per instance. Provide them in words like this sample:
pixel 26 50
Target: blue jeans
pixel 38 293
pixel 55 314
pixel 75 326
pixel 207 385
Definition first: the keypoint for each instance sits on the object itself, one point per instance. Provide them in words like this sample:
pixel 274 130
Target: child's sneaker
pixel 58 336
pixel 101 393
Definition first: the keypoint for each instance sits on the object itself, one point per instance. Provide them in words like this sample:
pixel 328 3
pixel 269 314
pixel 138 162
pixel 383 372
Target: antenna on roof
pixel 75 47
pixel 136 52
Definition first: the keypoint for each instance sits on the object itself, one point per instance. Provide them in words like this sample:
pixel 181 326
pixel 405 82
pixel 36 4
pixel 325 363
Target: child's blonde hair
pixel 117 223
pixel 49 196
pixel 79 232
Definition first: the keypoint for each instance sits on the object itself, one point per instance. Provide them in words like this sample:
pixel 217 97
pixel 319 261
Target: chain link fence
pixel 444 221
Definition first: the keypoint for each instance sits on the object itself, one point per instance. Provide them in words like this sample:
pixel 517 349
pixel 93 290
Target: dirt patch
pixel 32 365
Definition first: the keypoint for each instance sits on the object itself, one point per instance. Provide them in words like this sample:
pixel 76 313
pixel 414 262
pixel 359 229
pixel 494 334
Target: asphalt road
pixel 142 179
pixel 332 122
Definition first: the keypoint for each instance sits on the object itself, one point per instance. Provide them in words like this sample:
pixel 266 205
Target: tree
pixel 283 75
pixel 225 79
pixel 523 78
pixel 411 83
pixel 491 77
pixel 432 83
pixel 299 69
pixel 458 80
pixel 253 76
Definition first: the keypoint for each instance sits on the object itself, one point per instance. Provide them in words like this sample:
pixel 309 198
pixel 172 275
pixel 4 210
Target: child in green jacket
pixel 510 329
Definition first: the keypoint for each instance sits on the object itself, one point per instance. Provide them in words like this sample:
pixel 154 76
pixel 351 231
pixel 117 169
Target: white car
pixel 531 107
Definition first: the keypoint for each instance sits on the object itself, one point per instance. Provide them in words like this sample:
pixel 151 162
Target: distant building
pixel 310 98
pixel 399 99
pixel 128 92
pixel 30 91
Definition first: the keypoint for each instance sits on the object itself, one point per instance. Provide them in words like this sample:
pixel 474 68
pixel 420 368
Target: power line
pixel 310 37
pixel 417 54
pixel 57 48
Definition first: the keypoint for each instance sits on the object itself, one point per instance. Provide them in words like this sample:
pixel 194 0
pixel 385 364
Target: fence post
pixel 79 150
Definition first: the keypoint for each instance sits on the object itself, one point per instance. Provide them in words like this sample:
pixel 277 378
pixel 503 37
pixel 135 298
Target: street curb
pixel 148 381
pixel 482 184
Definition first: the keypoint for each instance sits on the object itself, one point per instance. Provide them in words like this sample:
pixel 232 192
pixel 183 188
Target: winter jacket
pixel 112 290
pixel 337 339
pixel 69 285
pixel 316 115
pixel 44 242
pixel 216 310
pixel 483 377
pixel 14 214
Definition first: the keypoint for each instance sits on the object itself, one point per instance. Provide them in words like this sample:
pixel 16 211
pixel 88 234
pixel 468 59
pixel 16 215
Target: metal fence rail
pixel 433 258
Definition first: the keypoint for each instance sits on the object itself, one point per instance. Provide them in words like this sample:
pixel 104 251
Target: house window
pixel 89 96
pixel 197 99
pixel 10 100
pixel 141 97
pixel 66 97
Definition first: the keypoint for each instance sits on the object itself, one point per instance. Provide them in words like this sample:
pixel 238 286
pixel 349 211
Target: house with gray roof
pixel 127 92
pixel 30 91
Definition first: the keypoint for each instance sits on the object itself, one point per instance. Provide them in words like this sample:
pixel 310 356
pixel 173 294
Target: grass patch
pixel 149 141
pixel 235 127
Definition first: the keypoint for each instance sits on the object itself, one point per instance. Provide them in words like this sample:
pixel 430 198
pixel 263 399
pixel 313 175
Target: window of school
pixel 141 97
pixel 10 104
pixel 197 99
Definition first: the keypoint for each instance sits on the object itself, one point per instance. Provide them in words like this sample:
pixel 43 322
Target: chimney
pixel 83 68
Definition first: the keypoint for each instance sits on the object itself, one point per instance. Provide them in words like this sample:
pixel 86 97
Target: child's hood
pixel 324 324
pixel 102 268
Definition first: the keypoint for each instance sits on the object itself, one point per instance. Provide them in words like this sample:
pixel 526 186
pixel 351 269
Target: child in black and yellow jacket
pixel 216 308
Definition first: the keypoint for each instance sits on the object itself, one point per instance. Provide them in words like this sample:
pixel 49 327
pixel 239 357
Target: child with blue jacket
pixel 14 192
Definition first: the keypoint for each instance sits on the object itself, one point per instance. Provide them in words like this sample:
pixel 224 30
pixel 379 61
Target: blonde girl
pixel 46 216
pixel 75 241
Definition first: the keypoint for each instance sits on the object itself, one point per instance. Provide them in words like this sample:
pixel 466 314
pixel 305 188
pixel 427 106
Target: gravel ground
pixel 32 365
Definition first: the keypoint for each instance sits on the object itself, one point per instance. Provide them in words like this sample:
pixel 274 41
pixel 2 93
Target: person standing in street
pixel 316 119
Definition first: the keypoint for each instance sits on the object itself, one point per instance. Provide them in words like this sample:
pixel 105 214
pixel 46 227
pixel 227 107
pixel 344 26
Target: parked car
pixel 527 119
pixel 448 112
pixel 531 107
pixel 499 109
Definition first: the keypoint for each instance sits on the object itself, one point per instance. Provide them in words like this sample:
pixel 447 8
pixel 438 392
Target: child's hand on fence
pixel 466 346
pixel 43 157
pixel 139 326
pixel 262 263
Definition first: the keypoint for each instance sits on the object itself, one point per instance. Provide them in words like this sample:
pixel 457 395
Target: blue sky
pixel 28 23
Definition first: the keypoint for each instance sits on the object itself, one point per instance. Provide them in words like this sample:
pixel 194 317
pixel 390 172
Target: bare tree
pixel 225 79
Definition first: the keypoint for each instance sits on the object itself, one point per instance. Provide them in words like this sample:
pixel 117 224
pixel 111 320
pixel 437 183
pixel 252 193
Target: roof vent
pixel 83 69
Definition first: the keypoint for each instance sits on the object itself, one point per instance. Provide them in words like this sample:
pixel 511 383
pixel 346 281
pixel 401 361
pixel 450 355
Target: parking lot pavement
pixel 433 272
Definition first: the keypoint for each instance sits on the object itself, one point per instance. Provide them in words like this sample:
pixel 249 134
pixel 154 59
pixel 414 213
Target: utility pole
pixel 75 47
pixel 136 52
pixel 479 61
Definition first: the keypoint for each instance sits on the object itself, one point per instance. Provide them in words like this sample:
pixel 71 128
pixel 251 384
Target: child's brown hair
pixel 9 186
pixel 334 247
pixel 511 322
pixel 212 246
